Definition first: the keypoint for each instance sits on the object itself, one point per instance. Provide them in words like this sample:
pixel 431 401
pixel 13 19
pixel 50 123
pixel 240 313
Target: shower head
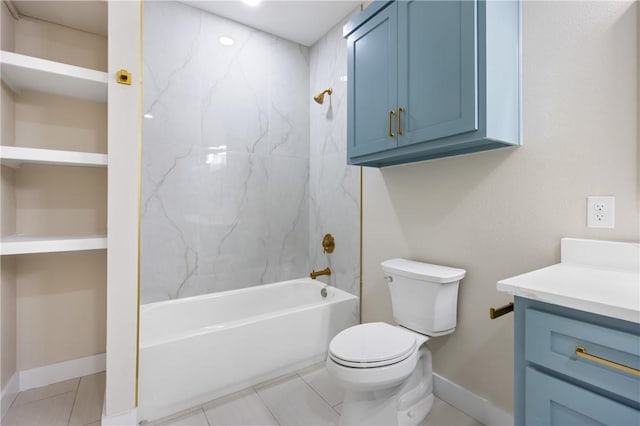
pixel 319 98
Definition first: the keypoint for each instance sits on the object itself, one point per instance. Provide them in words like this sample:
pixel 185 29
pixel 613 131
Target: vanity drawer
pixel 552 341
pixel 555 402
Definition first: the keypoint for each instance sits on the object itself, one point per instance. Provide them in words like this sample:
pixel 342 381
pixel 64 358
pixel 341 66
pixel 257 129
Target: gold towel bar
pixel 582 353
pixel 502 310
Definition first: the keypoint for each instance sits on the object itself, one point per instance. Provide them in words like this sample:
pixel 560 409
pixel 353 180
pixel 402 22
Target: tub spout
pixel 325 271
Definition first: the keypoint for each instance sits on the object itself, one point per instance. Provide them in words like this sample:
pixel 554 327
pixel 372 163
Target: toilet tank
pixel 424 297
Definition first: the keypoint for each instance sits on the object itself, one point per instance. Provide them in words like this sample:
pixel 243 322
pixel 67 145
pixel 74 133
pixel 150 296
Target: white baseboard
pixel 9 393
pixel 470 403
pixel 128 418
pixel 66 370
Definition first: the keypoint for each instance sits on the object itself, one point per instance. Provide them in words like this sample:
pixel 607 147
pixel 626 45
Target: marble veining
pixel 334 186
pixel 242 172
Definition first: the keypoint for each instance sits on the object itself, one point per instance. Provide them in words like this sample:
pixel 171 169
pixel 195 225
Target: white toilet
pixel 384 369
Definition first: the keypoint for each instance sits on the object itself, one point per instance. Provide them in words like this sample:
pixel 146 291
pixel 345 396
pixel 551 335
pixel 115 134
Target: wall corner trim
pixel 9 393
pixel 53 373
pixel 469 403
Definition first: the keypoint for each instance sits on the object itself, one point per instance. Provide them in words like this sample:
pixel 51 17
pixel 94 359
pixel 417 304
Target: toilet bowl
pixel 386 370
pixel 386 374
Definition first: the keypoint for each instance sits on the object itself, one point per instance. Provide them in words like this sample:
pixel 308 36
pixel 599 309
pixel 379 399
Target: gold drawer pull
pixel 582 353
pixel 391 135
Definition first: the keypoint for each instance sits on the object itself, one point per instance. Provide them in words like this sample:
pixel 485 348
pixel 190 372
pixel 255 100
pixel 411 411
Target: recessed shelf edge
pixel 14 156
pixel 22 72
pixel 28 244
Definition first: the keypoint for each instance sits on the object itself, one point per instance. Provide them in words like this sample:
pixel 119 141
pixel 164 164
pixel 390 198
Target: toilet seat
pixel 372 345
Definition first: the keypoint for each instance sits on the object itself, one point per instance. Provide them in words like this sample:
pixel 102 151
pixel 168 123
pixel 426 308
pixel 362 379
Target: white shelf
pixel 15 156
pixel 23 72
pixel 23 244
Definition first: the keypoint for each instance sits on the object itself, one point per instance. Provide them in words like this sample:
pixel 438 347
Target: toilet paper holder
pixel 502 310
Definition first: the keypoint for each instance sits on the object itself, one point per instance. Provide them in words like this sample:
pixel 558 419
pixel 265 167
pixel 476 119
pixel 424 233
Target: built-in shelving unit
pixel 53 153
pixel 14 156
pixel 28 244
pixel 23 72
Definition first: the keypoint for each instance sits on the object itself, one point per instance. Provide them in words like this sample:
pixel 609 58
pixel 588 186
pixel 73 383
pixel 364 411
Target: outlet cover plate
pixel 601 211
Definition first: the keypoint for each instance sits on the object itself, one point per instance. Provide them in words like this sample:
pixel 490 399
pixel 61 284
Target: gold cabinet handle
pixel 391 134
pixel 582 353
pixel 400 132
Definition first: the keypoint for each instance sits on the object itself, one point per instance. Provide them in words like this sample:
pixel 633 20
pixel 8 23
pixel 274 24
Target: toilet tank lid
pixel 422 271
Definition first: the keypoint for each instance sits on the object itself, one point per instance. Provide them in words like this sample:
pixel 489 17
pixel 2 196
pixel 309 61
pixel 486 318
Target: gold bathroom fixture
pixel 325 271
pixel 124 77
pixel 328 243
pixel 502 310
pixel 582 353
pixel 398 127
pixel 319 98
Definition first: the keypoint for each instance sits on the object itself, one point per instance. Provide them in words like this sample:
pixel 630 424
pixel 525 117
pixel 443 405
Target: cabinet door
pixel 437 69
pixel 372 84
pixel 551 401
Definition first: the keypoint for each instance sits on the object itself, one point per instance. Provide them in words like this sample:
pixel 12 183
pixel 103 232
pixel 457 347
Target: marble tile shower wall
pixel 225 176
pixel 242 172
pixel 334 186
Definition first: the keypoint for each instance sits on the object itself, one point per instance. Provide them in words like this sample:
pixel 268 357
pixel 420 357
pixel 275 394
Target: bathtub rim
pixel 319 284
pixel 340 296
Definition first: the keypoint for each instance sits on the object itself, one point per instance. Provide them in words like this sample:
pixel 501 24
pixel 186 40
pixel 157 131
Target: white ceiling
pixel 90 16
pixel 302 21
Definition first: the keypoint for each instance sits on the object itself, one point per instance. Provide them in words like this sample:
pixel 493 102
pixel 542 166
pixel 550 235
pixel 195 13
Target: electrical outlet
pixel 601 212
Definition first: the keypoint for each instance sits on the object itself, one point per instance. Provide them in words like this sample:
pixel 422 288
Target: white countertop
pixel 594 276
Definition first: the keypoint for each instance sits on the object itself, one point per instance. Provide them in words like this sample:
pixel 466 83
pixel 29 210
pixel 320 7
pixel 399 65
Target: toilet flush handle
pixel 388 278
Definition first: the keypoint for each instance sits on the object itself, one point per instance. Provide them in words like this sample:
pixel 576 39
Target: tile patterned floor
pixel 308 397
pixel 75 402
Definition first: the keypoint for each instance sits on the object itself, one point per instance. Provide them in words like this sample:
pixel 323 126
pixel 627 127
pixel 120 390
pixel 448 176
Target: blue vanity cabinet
pixel 574 367
pixel 430 79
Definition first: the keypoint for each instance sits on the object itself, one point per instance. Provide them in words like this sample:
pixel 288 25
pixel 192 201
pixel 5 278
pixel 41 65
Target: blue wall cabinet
pixel 430 79
pixel 556 384
pixel 375 46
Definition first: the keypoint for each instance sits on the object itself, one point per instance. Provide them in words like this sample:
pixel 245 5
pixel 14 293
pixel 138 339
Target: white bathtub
pixel 196 349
